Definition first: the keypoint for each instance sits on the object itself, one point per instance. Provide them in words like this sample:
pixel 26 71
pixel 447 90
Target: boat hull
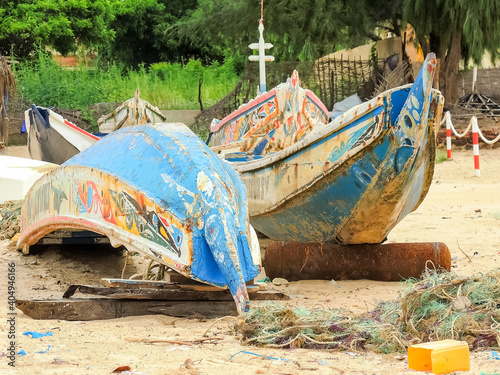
pixel 357 200
pixel 157 190
pixel 349 181
pixel 53 139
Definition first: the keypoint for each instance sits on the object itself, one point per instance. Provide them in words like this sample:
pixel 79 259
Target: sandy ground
pixel 460 210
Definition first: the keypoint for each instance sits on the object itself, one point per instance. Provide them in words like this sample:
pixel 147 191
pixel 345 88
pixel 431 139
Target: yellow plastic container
pixel 439 357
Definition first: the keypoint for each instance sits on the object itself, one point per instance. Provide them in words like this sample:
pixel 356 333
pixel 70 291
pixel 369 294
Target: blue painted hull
pixel 159 190
pixel 352 180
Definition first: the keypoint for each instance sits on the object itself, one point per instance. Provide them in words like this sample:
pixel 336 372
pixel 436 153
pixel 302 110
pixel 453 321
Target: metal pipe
pixel 325 261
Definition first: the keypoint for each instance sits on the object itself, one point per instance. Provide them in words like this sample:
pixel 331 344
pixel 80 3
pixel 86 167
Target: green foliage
pixel 299 30
pixel 59 24
pixel 168 86
pixel 146 32
pixel 437 21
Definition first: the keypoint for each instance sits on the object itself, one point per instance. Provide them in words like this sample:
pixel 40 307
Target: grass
pixel 167 86
pixel 441 156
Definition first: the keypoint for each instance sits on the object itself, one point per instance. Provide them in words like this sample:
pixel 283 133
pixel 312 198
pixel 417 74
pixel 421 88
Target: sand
pixel 460 210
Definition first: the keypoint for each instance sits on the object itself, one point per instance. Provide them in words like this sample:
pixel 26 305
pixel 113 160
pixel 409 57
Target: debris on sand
pixel 439 305
pixel 10 216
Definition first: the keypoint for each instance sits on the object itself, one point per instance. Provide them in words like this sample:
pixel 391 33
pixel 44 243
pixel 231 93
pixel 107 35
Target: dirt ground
pixel 460 210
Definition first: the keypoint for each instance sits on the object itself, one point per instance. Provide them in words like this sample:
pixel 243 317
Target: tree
pixel 146 33
pixel 299 29
pixel 60 24
pixel 454 29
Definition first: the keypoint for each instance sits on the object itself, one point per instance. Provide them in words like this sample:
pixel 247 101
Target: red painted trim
pixel 448 154
pixel 66 122
pixel 250 105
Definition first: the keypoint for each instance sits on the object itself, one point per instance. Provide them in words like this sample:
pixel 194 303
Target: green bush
pixel 167 86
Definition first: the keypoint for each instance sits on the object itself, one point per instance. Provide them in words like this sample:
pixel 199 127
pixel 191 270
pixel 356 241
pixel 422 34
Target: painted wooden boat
pixel 132 112
pixel 52 138
pixel 350 180
pixel 157 190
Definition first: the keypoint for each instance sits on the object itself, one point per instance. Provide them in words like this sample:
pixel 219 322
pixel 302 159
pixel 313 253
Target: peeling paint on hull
pixel 352 180
pixel 158 190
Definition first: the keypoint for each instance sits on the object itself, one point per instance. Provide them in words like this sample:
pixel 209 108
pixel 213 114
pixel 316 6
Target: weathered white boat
pixel 158 190
pixel 132 112
pixel 350 180
pixel 52 138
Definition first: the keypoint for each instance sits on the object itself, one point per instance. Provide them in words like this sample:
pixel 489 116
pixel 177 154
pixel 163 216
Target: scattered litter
pixel 352 354
pixel 174 348
pixel 494 355
pixel 259 355
pixel 58 361
pixel 189 364
pixel 36 335
pixel 280 281
pixel 266 280
pixel 439 357
pixel 121 369
pixel 22 353
pixel 332 282
pixel 44 351
pixel 178 342
pixel 323 363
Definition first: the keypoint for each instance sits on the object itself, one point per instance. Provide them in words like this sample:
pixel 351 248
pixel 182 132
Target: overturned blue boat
pixel 160 191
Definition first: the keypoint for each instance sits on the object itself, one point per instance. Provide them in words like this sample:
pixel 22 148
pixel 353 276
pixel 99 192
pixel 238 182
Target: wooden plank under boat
pixel 350 180
pixel 160 191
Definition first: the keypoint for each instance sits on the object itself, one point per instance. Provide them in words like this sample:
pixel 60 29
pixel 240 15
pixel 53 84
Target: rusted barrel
pixel 325 261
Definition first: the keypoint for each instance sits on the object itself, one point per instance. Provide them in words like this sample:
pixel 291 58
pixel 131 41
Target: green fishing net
pixel 439 305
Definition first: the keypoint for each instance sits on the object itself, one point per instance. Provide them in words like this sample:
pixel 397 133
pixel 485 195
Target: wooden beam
pixel 85 309
pixel 171 294
pixel 131 284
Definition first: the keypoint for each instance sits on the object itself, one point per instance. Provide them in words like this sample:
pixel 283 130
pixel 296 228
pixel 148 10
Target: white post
pixel 475 145
pixel 261 58
pixel 448 135
pixel 474 79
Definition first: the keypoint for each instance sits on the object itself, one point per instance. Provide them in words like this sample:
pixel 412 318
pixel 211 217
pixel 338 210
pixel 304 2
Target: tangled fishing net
pixel 438 306
pixel 10 217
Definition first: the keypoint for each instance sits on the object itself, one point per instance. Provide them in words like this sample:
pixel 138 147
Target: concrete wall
pixel 385 48
pixel 185 116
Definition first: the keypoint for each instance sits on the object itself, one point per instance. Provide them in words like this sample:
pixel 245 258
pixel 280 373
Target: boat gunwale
pixel 46 178
pixel 334 165
pixel 335 125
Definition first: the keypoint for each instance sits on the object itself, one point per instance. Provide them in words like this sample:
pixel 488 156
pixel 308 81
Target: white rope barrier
pixel 490 142
pixel 476 133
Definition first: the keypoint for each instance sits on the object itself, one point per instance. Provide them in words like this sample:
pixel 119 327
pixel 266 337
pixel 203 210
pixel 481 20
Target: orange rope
pixel 262 11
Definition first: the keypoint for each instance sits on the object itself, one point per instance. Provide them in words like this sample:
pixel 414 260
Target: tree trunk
pixel 449 57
